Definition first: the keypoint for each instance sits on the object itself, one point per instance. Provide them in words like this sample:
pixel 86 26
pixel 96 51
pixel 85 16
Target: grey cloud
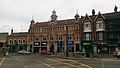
pixel 19 12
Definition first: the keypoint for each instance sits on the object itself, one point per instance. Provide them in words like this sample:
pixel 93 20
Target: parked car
pixel 45 52
pixel 24 52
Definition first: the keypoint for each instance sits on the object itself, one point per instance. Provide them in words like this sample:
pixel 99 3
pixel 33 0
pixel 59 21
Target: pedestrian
pixel 4 53
pixel 117 52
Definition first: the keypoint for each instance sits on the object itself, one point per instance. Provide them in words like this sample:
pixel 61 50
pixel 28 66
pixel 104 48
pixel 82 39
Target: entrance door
pixel 77 47
pixel 36 49
pixel 43 48
pixel 31 48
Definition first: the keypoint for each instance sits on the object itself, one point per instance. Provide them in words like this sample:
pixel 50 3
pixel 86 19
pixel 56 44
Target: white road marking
pixel 25 66
pixel 2 61
pixel 63 63
pixel 76 62
pixel 71 64
pixel 47 65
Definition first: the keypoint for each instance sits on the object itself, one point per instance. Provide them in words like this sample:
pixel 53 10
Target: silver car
pixel 24 52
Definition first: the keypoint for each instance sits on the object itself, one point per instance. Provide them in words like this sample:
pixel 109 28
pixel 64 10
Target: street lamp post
pixel 67 51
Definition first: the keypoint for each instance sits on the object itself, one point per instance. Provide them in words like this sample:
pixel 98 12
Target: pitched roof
pixel 19 34
pixel 112 15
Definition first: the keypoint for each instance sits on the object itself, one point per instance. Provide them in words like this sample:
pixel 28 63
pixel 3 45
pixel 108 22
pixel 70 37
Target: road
pixel 100 63
pixel 37 61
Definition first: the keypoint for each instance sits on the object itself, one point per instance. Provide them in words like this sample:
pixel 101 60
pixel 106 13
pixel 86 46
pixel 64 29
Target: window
pixel 59 37
pixel 51 37
pixel 70 36
pixel 15 42
pixel 87 36
pixel 23 41
pixel 19 41
pixel 36 38
pixel 30 39
pixel 77 26
pixel 100 36
pixel 44 29
pixel 70 27
pixel 61 28
pixel 77 36
pixel 51 29
pixel 100 25
pixel 44 38
pixel 87 25
pixel 11 42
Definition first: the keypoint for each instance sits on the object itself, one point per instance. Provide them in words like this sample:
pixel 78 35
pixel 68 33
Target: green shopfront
pixel 87 47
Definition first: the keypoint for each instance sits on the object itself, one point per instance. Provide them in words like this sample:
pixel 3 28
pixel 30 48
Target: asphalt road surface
pixel 37 61
pixel 101 62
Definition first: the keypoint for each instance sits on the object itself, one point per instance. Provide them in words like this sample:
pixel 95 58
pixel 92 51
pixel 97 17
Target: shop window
pixel 87 36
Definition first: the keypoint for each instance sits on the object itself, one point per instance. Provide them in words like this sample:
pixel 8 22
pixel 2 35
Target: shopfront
pixel 60 47
pixel 88 49
pixel 36 47
pixel 102 48
pixel 70 46
pixel 43 45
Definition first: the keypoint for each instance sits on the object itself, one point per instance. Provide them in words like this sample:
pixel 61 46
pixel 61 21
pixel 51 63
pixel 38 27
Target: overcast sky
pixel 17 14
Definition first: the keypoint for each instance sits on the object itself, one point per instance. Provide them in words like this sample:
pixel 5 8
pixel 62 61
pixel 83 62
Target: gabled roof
pixel 86 16
pixel 99 15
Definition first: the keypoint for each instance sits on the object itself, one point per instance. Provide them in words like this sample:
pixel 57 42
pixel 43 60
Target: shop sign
pixel 86 43
pixel 70 44
pixel 36 43
pixel 43 43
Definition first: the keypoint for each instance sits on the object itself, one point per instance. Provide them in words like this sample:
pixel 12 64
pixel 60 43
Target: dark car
pixel 24 52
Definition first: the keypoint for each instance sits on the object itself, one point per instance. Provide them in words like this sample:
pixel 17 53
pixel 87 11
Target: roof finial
pixel 76 13
pixel 93 11
pixel 12 31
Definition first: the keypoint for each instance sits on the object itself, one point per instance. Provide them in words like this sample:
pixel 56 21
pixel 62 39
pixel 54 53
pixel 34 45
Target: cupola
pixel 76 16
pixel 53 16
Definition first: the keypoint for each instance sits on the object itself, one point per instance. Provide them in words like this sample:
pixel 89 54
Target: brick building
pixel 96 33
pixel 51 35
pixel 89 33
pixel 17 41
